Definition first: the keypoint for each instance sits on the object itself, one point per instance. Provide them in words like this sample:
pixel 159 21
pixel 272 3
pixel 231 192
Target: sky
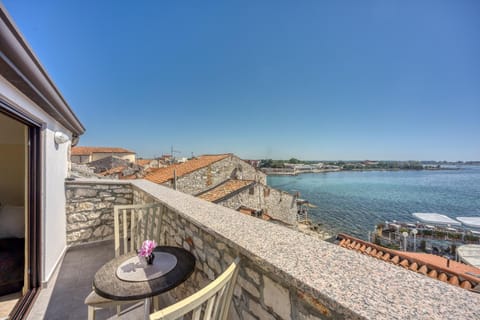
pixel 315 80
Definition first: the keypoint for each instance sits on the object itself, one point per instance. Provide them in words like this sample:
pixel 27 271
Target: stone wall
pixel 260 292
pixel 216 173
pixel 89 209
pixel 280 205
pixel 284 274
pixel 277 204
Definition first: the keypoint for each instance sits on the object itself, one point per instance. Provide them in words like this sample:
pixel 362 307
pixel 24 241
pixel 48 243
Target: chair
pixel 132 225
pixel 216 297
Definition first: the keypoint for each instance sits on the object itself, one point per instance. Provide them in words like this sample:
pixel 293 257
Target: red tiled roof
pixel 254 213
pixel 143 162
pixel 130 177
pixel 442 262
pixel 162 175
pixel 113 171
pixel 426 264
pixel 247 211
pixel 224 189
pixel 86 151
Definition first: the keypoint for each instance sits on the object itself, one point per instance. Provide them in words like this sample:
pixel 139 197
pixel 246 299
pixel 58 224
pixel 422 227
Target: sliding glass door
pixel 19 212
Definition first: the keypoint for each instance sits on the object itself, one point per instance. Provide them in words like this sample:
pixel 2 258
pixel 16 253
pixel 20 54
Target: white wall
pixel 56 169
pixel 54 172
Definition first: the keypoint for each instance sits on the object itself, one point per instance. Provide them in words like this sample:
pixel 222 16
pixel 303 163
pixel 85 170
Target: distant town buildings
pixel 89 154
pixel 224 179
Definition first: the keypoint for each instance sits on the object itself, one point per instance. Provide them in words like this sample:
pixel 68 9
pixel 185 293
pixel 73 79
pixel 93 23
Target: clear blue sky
pixel 267 79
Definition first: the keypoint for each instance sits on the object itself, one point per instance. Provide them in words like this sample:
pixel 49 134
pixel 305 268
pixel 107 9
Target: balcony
pixel 284 274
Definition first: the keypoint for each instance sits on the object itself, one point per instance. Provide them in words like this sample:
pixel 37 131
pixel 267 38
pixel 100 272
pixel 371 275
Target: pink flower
pixel 147 248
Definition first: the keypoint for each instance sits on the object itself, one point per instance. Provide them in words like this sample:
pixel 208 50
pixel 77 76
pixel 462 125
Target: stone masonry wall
pixel 278 278
pixel 89 209
pixel 259 294
pixel 216 173
pixel 280 205
pixel 277 204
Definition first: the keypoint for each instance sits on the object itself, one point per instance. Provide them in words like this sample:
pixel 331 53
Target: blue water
pixel 353 202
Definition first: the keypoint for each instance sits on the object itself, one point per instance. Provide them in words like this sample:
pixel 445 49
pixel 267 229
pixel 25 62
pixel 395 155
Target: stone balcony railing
pixel 284 274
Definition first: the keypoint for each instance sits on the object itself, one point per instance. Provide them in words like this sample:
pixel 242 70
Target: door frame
pixel 34 205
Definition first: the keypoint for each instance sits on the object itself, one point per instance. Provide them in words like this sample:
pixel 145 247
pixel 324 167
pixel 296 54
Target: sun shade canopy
pixel 473 222
pixel 435 218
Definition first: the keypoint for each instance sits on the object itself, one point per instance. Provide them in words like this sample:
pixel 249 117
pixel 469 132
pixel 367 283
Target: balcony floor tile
pixel 64 298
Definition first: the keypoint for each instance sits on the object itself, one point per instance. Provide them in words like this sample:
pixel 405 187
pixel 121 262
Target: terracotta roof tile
pixel 404 263
pixel 113 171
pixel 86 151
pixel 442 277
pixel 466 285
pixel 143 162
pixel 441 262
pixel 246 211
pixel 162 175
pixel 456 273
pixel 453 280
pixel 433 274
pixel 225 189
pixel 266 217
pixel 414 266
pixel 423 270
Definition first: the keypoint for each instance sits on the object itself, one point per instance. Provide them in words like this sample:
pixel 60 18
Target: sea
pixel 354 202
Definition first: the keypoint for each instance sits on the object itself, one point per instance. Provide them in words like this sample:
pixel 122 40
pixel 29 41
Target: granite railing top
pixel 353 283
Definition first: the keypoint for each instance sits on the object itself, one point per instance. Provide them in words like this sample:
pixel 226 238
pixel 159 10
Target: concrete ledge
pixel 353 284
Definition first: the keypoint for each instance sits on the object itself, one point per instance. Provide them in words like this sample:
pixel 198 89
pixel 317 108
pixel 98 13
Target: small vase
pixel 150 258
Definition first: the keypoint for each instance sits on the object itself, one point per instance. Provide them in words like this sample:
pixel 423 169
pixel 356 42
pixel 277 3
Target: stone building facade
pixel 205 172
pixel 276 204
pixel 231 167
pixel 208 172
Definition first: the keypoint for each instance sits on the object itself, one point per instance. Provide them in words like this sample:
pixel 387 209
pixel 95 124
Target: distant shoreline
pixel 289 172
